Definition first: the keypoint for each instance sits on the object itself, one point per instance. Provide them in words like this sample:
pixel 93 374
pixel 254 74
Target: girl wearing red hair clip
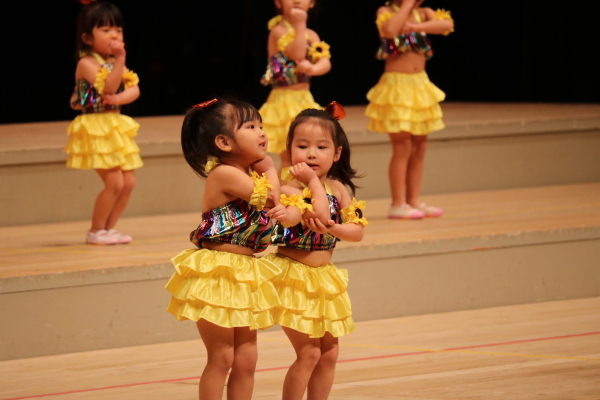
pixel 315 309
pixel 296 54
pixel 220 284
pixel 101 138
pixel 404 103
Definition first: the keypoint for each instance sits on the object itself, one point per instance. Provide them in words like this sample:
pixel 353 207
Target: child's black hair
pixel 202 125
pixel 341 169
pixel 94 14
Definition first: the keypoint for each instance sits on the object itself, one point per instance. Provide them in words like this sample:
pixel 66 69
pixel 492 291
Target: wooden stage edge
pixel 545 350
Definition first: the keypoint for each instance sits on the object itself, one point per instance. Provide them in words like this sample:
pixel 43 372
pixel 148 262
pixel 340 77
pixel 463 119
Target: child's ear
pixel 338 154
pixel 87 39
pixel 224 143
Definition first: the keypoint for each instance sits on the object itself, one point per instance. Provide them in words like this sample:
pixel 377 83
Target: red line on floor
pixel 340 361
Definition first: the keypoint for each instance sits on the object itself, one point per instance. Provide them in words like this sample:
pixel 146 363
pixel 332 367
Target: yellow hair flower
pixel 261 190
pixel 130 78
pixel 211 164
pixel 353 213
pixel 101 76
pixel 441 14
pixel 318 50
pixel 274 21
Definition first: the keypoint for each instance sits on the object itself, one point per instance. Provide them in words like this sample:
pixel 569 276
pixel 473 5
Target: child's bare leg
pixel 241 379
pixel 414 175
pixel 113 186
pixel 220 352
pixel 321 380
pixel 308 353
pixel 401 150
pixel 122 200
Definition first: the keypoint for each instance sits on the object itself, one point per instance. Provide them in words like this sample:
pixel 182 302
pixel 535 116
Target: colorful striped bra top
pixel 87 97
pixel 417 42
pixel 282 72
pixel 236 222
pixel 300 237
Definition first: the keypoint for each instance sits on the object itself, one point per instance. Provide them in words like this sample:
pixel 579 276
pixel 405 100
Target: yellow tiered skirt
pixel 314 300
pixel 403 102
pixel 278 112
pixel 103 141
pixel 227 289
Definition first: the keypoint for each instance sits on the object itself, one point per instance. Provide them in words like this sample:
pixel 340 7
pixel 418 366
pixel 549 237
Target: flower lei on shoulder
pixel 261 190
pixel 353 213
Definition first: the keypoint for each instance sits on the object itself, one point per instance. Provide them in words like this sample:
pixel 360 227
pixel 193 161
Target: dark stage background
pixel 190 51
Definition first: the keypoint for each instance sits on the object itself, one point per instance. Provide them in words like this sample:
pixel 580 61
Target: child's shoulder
pixel 384 9
pixel 338 188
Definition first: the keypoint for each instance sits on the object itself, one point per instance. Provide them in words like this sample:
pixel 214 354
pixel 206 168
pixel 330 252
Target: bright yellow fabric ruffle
pixel 278 112
pixel 313 300
pixel 103 141
pixel 227 289
pixel 405 102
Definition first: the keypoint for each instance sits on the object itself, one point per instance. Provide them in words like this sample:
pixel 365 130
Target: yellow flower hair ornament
pixel 261 190
pixel 318 50
pixel 353 213
pixel 101 76
pixel 441 14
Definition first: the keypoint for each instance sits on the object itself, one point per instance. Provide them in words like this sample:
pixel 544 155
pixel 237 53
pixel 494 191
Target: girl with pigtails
pixel 404 103
pixel 101 138
pixel 220 284
pixel 296 54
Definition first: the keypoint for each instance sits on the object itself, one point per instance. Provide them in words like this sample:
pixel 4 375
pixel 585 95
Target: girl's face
pixel 314 145
pixel 287 5
pixel 102 37
pixel 251 142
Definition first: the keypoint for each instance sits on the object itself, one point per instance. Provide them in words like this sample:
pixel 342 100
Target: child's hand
pixel 303 173
pixel 298 17
pixel 408 27
pixel 315 225
pixel 117 48
pixel 111 99
pixel 263 165
pixel 304 67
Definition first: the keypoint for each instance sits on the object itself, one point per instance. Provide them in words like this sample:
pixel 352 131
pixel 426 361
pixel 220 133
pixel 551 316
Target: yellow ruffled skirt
pixel 314 300
pixel 278 112
pixel 227 289
pixel 403 102
pixel 103 141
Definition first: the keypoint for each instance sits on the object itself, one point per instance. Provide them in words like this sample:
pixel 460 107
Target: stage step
pixel 485 146
pixel 491 248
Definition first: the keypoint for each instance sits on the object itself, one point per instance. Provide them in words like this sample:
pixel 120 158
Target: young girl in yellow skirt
pixel 296 54
pixel 404 103
pixel 220 284
pixel 315 308
pixel 101 138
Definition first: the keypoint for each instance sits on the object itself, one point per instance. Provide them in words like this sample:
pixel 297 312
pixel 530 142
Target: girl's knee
pixel 330 357
pixel 310 357
pixel 223 360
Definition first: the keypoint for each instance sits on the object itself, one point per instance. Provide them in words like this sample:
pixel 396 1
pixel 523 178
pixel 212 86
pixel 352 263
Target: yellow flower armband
pixel 382 19
pixel 101 76
pixel 441 14
pixel 353 213
pixel 318 50
pixel 261 190
pixel 130 78
pixel 294 200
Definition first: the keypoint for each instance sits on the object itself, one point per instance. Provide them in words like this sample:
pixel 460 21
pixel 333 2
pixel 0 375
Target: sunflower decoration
pixel 294 200
pixel 130 78
pixel 261 190
pixel 307 197
pixel 353 213
pixel 440 14
pixel 318 50
pixel 101 76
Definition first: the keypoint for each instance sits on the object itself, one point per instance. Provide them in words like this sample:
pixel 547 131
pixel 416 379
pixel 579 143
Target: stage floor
pixel 544 351
pixel 54 249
